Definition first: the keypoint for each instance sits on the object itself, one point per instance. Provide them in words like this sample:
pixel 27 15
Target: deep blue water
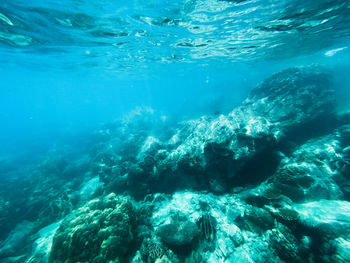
pixel 70 67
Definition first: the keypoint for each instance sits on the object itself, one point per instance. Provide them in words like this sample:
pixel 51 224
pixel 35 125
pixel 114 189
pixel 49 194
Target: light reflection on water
pixel 123 35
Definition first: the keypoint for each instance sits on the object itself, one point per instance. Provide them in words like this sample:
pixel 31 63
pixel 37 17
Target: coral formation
pixel 268 182
pixel 101 231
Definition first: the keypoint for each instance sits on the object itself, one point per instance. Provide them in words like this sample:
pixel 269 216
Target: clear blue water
pixel 68 67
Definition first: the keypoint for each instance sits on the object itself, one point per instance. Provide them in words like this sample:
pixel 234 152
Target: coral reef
pixel 101 231
pixel 268 182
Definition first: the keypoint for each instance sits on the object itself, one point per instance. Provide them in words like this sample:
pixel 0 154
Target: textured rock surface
pixel 178 233
pixel 99 232
pixel 285 101
pixel 341 250
pixel 216 153
pixel 269 182
pixel 329 216
pixel 310 172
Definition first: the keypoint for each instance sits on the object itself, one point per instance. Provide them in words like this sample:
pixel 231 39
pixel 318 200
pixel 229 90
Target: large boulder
pixel 275 111
pixel 180 233
pixel 309 173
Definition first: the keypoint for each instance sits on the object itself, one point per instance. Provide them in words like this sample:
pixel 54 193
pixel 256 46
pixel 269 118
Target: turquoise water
pixel 174 131
pixel 67 66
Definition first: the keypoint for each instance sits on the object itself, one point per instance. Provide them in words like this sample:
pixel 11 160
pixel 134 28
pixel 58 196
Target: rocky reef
pixel 100 231
pixel 268 182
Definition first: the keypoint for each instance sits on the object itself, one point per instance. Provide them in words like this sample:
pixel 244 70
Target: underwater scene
pixel 174 131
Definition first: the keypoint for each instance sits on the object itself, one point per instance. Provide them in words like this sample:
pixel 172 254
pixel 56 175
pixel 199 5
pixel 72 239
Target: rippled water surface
pixel 119 35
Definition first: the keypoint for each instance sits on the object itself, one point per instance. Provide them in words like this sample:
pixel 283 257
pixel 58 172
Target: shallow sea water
pixel 174 131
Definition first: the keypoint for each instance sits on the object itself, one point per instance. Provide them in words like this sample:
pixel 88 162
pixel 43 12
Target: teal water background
pixel 67 67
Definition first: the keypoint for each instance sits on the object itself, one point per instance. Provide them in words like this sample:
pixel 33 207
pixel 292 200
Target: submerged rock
pixel 222 147
pixel 145 156
pixel 226 241
pixel 255 249
pixel 284 244
pixel 17 240
pixel 331 217
pixel 338 251
pixel 101 231
pixel 256 219
pixel 42 245
pixel 179 233
pixel 310 172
